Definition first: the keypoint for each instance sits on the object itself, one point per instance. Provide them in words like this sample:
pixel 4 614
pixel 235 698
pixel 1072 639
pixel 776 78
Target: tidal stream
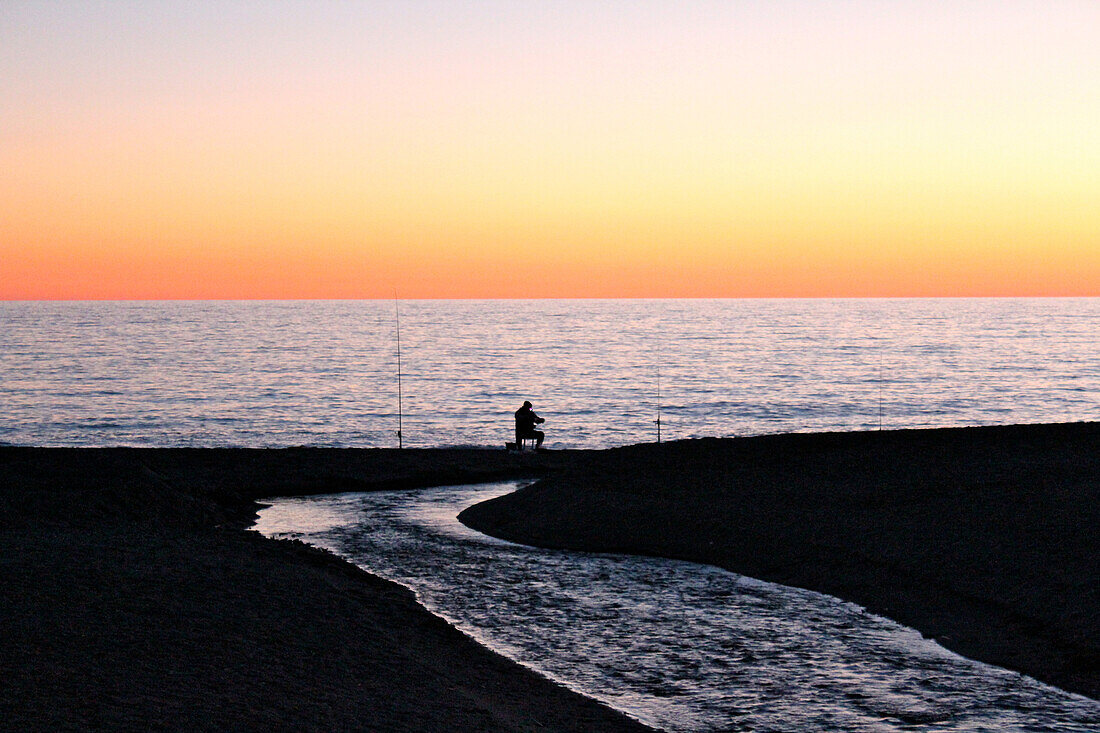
pixel 676 645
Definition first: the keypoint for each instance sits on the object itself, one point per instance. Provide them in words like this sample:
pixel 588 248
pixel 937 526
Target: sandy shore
pixel 983 538
pixel 133 599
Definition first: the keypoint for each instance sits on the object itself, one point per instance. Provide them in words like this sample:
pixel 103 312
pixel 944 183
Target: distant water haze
pixel 324 373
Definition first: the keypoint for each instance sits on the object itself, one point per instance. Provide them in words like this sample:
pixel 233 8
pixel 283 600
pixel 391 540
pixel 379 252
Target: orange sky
pixel 793 148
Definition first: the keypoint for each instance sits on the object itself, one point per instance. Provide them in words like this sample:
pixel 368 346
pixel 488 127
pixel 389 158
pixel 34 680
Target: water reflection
pixel 289 373
pixel 680 646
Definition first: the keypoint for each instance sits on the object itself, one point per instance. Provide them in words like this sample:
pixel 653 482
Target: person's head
pixel 527 404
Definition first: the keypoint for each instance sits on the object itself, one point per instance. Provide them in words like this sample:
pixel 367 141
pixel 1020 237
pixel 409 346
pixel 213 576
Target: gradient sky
pixel 549 149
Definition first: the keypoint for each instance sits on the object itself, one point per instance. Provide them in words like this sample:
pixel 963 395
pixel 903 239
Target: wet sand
pixel 985 539
pixel 134 597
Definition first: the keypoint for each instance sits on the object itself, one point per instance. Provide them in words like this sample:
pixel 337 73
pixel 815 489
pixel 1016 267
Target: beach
pixel 136 598
pixel 981 538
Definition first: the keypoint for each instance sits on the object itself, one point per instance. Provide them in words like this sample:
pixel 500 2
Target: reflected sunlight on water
pixel 680 646
pixel 287 373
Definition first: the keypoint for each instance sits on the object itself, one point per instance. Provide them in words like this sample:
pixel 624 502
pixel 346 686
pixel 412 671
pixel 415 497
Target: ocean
pixel 325 373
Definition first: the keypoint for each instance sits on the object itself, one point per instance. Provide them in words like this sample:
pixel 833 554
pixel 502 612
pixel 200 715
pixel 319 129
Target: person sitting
pixel 526 420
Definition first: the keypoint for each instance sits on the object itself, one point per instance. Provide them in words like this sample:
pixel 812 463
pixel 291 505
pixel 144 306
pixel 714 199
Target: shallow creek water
pixel 679 646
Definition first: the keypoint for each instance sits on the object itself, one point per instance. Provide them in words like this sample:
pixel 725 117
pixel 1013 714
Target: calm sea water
pixel 324 373
pixel 680 646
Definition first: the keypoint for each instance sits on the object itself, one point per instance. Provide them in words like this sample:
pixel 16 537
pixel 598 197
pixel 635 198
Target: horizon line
pixel 472 298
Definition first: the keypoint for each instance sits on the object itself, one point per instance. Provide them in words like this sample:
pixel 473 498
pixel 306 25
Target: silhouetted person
pixel 526 420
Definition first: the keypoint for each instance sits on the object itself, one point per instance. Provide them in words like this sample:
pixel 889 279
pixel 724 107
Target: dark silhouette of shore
pixel 134 597
pixel 983 538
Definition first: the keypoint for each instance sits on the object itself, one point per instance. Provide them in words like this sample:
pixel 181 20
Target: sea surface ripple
pixel 324 373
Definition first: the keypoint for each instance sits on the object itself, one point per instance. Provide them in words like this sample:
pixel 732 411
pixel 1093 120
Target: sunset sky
pixel 779 148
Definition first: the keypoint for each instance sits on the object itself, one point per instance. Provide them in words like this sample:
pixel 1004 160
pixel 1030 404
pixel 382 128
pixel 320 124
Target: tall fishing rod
pixel 397 317
pixel 880 388
pixel 658 402
pixel 658 420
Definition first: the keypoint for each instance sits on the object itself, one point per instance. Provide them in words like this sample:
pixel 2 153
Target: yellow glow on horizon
pixel 846 153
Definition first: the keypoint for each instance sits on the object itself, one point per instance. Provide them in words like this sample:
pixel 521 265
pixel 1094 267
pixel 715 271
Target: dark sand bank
pixel 985 538
pixel 133 599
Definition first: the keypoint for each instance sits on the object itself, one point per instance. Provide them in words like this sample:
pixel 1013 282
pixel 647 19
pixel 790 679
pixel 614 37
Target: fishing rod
pixel 397 318
pixel 658 402
pixel 880 389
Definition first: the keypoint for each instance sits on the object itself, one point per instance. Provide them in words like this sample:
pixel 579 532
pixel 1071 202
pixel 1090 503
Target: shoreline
pixel 138 598
pixel 981 538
